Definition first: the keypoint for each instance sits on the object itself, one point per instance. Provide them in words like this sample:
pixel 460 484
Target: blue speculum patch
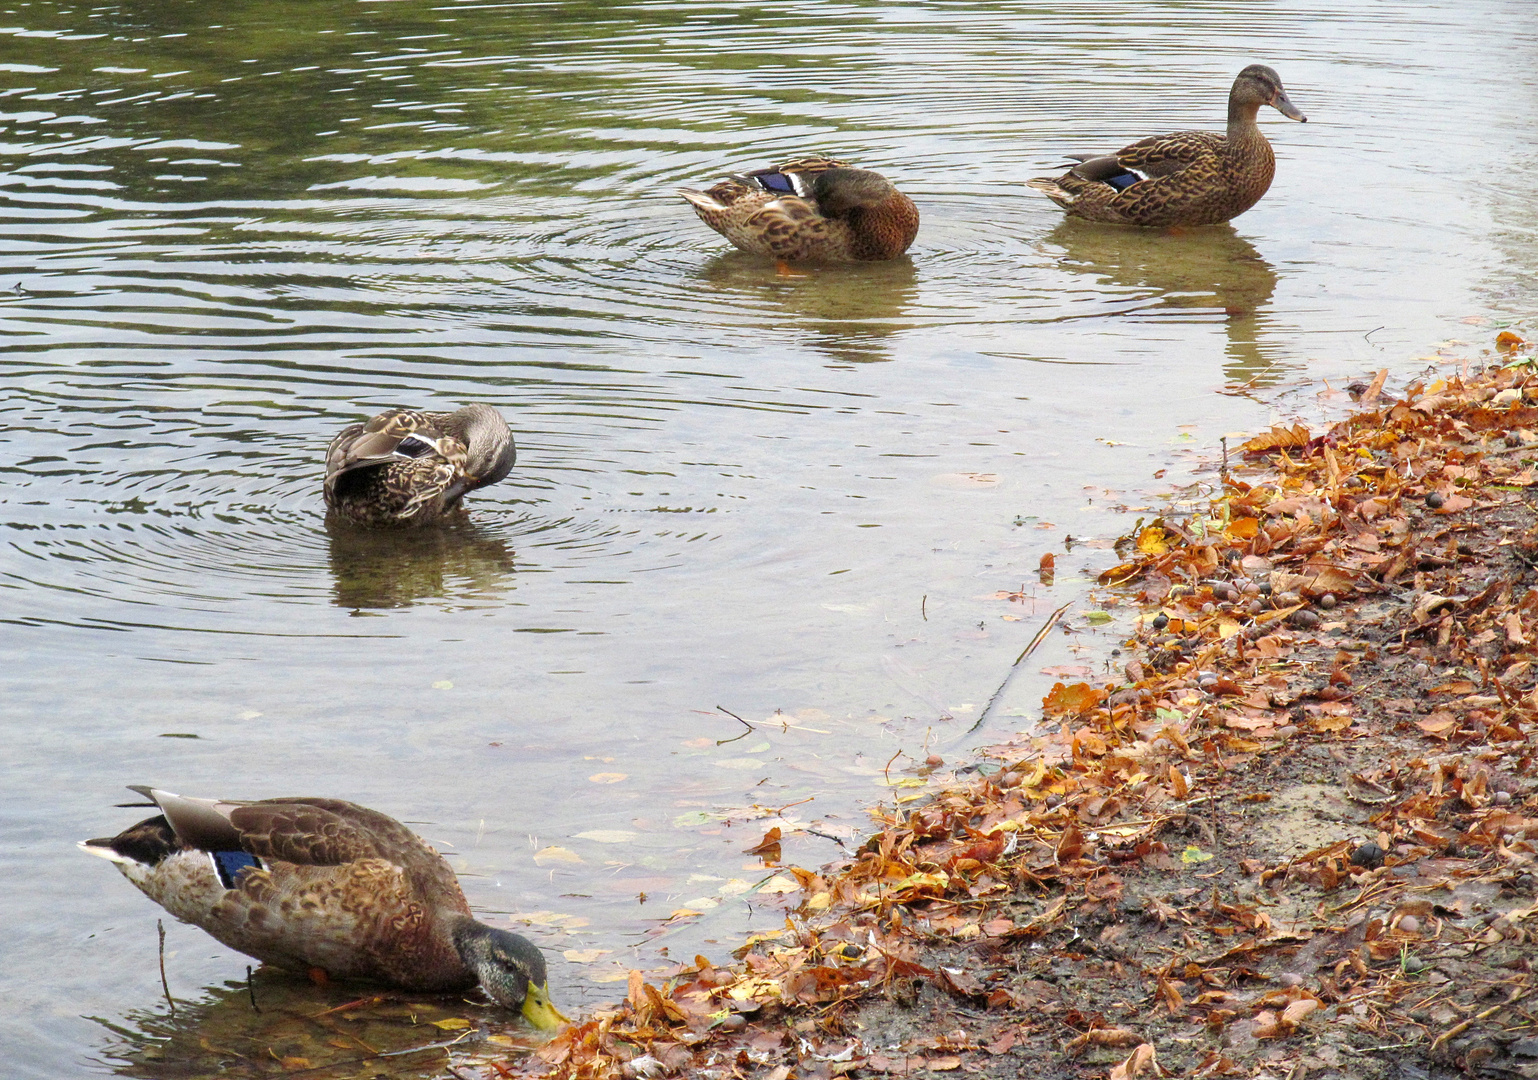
pixel 776 182
pixel 229 864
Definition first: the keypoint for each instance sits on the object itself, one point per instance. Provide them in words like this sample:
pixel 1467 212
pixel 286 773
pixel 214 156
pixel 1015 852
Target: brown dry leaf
pixel 1278 438
pixel 948 1063
pixel 1506 340
pixel 1101 1037
pixel 1140 1061
pixel 1075 699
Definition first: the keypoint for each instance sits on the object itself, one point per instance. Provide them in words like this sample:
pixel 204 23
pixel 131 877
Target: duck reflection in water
pixel 845 311
pixel 456 561
pixel 222 1034
pixel 1211 272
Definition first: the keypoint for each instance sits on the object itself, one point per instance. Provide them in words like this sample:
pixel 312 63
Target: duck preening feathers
pixel 307 883
pixel 812 210
pixel 412 468
pixel 1184 178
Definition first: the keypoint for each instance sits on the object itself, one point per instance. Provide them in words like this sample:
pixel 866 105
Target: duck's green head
pixel 511 970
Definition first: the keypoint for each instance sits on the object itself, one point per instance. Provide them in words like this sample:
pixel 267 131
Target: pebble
pixel 734 1022
pixel 1421 671
pixel 1410 924
pixel 1501 798
pixel 1208 608
pixel 1009 779
pixel 1251 589
pixel 934 761
pixel 1412 964
pixel 1434 500
pixel 1328 601
pixel 1160 621
pixel 1290 978
pixel 1206 678
pixel 1306 619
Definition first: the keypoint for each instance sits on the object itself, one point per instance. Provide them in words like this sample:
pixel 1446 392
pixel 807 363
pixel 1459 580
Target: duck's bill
pixel 538 1010
pixel 1287 108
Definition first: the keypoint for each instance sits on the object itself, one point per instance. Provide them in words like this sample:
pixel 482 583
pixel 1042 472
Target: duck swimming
pixel 812 210
pixel 325 884
pixel 1184 178
pixel 412 468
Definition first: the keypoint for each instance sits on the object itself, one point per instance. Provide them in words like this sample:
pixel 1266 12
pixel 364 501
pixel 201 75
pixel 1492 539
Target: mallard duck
pixel 412 468
pixel 324 884
pixel 815 210
pixel 1185 178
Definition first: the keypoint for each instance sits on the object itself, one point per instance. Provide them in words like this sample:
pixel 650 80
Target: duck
pixel 410 468
pixel 327 887
pixel 1183 178
pixel 814 209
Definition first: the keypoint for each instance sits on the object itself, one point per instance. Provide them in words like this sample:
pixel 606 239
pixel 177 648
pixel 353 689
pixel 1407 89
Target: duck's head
pixel 511 970
pixel 489 448
pixel 842 189
pixel 1258 85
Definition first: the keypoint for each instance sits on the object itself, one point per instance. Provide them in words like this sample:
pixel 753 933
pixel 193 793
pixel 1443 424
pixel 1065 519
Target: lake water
pixel 228 230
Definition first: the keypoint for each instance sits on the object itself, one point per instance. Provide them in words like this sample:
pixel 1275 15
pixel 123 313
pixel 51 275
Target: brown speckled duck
pixel 1184 178
pixel 811 210
pixel 412 468
pixel 325 884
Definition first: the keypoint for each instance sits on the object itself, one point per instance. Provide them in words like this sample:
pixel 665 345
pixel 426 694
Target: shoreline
pixel 1290 839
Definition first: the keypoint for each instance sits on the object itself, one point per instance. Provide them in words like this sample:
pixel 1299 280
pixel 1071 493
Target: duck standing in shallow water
pixel 812 210
pixel 1184 178
pixel 324 884
pixel 412 468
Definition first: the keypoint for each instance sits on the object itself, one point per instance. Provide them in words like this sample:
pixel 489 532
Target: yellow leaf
pixel 819 902
pixel 608 777
pixel 547 856
pixel 1193 855
pixel 585 956
pixel 779 884
pixel 607 836
pixel 1152 541
pixel 453 1023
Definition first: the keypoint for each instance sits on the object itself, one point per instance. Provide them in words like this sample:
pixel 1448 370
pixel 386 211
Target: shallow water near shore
pixel 817 501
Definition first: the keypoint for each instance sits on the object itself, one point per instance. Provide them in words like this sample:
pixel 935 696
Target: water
pixel 228 233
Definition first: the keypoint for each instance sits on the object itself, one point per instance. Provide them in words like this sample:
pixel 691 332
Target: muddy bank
pixel 1293 836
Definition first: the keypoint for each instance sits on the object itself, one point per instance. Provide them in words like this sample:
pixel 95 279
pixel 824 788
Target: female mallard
pixel 412 468
pixel 325 884
pixel 1185 178
pixel 815 209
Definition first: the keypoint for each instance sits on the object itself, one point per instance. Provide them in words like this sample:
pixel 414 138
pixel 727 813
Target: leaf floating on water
pixel 553 855
pixel 443 684
pixel 608 777
pixel 585 956
pixel 779 884
pixel 608 836
pixel 453 1023
pixel 179 735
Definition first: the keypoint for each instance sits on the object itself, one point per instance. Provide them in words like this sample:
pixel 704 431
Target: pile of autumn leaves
pixel 1310 524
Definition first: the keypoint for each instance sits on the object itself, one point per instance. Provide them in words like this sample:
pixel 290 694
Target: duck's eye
pixel 413 447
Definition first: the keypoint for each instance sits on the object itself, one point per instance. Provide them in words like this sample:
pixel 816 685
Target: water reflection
pixel 282 1024
pixel 1210 270
pixel 459 561
pixel 848 313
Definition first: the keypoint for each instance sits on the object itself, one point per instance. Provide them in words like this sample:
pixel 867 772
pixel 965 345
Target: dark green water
pixel 227 230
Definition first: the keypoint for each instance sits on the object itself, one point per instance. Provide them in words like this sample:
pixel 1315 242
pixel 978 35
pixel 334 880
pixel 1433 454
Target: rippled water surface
pixel 228 230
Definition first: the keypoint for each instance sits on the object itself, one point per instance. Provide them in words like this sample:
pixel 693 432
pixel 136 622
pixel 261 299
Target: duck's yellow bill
pixel 538 1011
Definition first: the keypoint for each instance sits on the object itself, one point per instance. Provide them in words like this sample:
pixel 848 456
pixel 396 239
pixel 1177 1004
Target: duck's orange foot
pixel 784 269
pixel 318 976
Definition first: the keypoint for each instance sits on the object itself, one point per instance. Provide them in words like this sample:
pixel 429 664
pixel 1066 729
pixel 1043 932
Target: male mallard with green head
pixel 412 468
pixel 1185 178
pixel 812 210
pixel 324 884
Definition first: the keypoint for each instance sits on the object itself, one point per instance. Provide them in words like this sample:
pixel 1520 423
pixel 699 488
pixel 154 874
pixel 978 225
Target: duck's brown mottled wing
pixel 324 832
pixel 1165 155
pixel 375 441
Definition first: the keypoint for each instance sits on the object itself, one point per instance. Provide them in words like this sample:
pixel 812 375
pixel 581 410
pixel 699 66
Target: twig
pixel 1030 648
pixel 160 926
pixel 740 720
pixel 251 989
pixel 924 606
pixel 887 772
